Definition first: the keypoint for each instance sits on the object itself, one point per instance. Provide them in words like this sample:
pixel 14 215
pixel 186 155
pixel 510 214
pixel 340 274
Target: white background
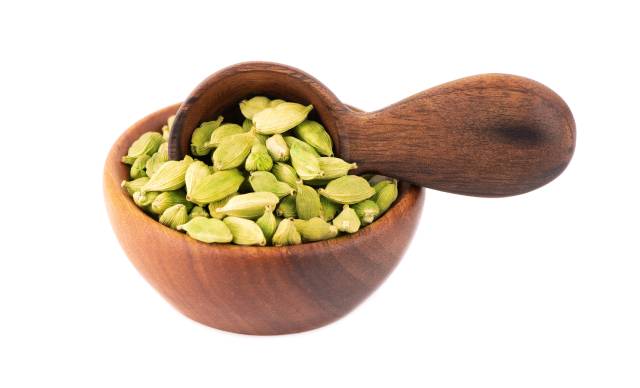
pixel 537 290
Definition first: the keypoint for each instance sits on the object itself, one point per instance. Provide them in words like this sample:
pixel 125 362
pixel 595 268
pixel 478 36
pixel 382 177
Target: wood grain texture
pixel 488 135
pixel 256 290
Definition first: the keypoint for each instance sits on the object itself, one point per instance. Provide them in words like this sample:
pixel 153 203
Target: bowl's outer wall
pixel 256 290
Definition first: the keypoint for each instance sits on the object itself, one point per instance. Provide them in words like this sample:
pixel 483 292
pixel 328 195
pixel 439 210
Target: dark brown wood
pixel 488 135
pixel 256 290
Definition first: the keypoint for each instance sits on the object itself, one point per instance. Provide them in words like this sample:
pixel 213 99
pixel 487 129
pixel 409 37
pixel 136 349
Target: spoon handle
pixel 489 135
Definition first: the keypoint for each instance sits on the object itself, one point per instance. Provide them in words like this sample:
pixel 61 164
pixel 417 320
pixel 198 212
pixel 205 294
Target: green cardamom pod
pixel 380 185
pixel 286 234
pixel 375 178
pixel 258 159
pixel 278 148
pixel 290 140
pixel 166 129
pixel 335 167
pixel 275 103
pixel 195 173
pixel 198 211
pixel 307 202
pixel 167 199
pixel 202 135
pixel 329 209
pixel 170 176
pixel 250 205
pixel 245 232
pixel 233 150
pixel 347 221
pixel 134 185
pixel 208 230
pixel 266 181
pixel 280 118
pixel 218 204
pixel 315 229
pixel 386 196
pixel 367 211
pixel 314 134
pixel 287 207
pixel 250 107
pixel 146 144
pixel 222 133
pixel 247 124
pixel 137 168
pixel 267 222
pixel 174 216
pixel 144 200
pixel 348 189
pixel 214 187
pixel 156 160
pixel 285 173
pixel 306 164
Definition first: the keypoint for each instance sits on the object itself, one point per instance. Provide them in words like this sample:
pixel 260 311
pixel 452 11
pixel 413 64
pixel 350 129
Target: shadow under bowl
pixel 256 290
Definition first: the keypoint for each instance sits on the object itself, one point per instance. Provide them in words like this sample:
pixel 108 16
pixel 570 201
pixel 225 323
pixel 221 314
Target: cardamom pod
pixel 166 129
pixel 170 176
pixel 250 205
pixel 194 174
pixel 305 163
pixel 198 211
pixel 386 196
pixel 144 200
pixel 214 187
pixel 250 107
pixel 266 181
pixel 137 168
pixel 347 221
pixel 278 148
pixel 290 140
pixel 380 185
pixel 218 204
pixel 367 211
pixel 267 222
pixel 334 167
pixel 280 118
pixel 307 202
pixel 208 230
pixel 315 229
pixel 375 178
pixel 329 209
pixel 202 135
pixel 134 185
pixel 167 199
pixel 285 173
pixel 348 189
pixel 245 232
pixel 222 133
pixel 174 216
pixel 146 144
pixel 247 124
pixel 275 103
pixel 258 159
pixel 233 150
pixel 286 234
pixel 287 207
pixel 314 134
pixel 156 160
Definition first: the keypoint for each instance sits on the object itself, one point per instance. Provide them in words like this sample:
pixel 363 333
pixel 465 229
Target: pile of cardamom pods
pixel 273 180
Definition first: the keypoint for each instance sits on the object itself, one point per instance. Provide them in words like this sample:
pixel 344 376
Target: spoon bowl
pixel 256 290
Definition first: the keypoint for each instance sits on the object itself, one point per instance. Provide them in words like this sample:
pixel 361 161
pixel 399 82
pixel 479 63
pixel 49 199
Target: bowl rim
pixel 409 196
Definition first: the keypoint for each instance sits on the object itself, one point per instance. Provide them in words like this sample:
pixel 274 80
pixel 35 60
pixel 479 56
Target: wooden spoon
pixel 489 135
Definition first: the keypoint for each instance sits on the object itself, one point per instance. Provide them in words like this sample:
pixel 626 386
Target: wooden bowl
pixel 256 290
